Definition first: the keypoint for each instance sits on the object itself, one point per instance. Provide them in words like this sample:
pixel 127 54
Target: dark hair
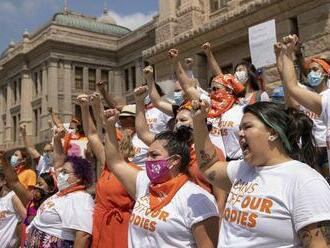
pixel 293 127
pixel 252 74
pixel 2 176
pixel 49 179
pixel 177 145
pixel 82 169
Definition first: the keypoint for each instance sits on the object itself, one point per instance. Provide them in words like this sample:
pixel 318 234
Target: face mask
pixel 62 181
pixel 72 130
pixel 315 78
pixel 178 98
pixel 147 100
pixel 242 76
pixel 157 170
pixel 48 158
pixel 14 161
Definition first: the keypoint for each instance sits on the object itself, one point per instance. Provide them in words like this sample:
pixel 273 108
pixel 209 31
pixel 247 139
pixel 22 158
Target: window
pixel 14 88
pixel 35 122
pixel 19 88
pixel 133 75
pixel 105 76
pixel 217 4
pixel 35 83
pixel 77 112
pixel 4 92
pixel 40 80
pixel 15 128
pixel 127 80
pixel 92 79
pixel 79 78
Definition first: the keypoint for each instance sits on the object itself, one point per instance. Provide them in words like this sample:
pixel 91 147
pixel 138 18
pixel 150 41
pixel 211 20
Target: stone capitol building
pixel 69 54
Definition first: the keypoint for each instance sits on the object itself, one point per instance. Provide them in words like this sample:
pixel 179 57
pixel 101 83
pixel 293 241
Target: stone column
pixel 98 75
pixel 9 121
pixel 52 83
pixel 44 102
pixel 85 79
pixel 67 109
pixel 2 110
pixel 26 107
pixel 118 83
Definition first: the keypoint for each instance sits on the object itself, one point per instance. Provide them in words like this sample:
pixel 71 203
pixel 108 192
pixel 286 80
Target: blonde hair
pixel 126 145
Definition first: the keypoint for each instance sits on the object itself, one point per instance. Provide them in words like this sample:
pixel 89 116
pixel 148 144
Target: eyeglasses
pixel 64 171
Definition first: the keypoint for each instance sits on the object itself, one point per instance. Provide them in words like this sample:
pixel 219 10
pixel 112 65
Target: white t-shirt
pixel 268 205
pixel 171 226
pixel 63 216
pixel 228 126
pixel 157 120
pixel 325 115
pixel 319 128
pixel 8 220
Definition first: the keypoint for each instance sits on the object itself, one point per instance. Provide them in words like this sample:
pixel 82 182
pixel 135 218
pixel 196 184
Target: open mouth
pixel 244 146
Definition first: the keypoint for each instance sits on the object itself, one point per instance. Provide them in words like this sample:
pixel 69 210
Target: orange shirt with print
pixel 27 177
pixel 113 207
pixel 194 173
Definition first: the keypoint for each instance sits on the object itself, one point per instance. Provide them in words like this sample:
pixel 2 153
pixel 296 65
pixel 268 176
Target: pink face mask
pixel 157 170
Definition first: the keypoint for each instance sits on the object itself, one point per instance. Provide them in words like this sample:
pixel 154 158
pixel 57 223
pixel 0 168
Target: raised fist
pixel 59 133
pixel 111 116
pixel 206 46
pixel 94 98
pixel 83 100
pixel 22 129
pixel 100 85
pixel 173 53
pixel 140 93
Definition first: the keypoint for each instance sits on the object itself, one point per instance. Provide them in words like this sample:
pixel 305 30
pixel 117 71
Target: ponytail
pixel 301 137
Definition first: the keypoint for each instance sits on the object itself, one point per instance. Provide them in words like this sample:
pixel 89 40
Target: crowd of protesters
pixel 223 167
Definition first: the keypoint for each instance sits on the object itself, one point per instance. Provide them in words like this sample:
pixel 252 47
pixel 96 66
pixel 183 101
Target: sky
pixel 16 16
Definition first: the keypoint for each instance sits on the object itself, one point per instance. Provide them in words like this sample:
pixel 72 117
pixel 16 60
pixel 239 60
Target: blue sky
pixel 18 15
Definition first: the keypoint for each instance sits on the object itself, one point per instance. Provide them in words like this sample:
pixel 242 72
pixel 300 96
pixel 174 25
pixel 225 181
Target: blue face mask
pixel 62 181
pixel 147 100
pixel 178 98
pixel 14 161
pixel 315 78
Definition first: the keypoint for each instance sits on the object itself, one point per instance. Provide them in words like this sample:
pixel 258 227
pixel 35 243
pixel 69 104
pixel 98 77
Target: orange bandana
pixel 161 194
pixel 73 188
pixel 222 99
pixel 323 64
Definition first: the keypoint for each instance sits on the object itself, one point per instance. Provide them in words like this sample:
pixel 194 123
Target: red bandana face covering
pixel 223 99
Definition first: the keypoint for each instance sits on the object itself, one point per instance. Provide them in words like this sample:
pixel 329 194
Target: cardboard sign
pixel 262 38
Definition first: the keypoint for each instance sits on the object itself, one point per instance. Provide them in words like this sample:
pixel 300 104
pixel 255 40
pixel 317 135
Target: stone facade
pixel 68 55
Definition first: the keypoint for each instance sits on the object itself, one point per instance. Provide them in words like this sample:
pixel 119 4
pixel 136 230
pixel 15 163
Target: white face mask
pixel 62 181
pixel 242 76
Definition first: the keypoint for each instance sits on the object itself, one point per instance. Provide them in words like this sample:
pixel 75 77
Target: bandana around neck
pixel 161 194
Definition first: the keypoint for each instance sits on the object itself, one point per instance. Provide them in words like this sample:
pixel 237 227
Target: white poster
pixel 262 38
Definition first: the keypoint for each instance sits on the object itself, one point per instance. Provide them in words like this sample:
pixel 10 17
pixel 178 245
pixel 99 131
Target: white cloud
pixel 132 21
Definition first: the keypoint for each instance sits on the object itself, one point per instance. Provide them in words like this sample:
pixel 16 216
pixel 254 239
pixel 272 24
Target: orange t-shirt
pixel 27 177
pixel 194 173
pixel 113 206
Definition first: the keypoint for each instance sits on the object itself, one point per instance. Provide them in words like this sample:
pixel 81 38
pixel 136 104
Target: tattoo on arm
pixel 211 175
pixel 206 158
pixel 315 235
